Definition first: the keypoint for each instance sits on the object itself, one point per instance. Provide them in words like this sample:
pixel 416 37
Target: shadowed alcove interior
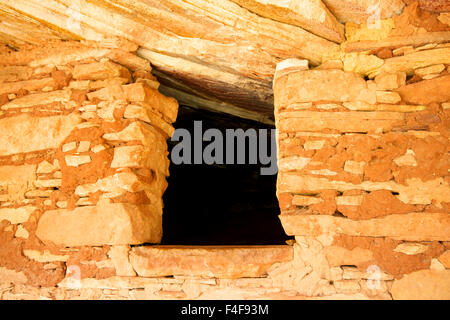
pixel 220 204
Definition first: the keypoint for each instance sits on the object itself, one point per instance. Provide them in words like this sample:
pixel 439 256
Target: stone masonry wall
pixel 364 169
pixel 363 180
pixel 83 159
pixel 83 166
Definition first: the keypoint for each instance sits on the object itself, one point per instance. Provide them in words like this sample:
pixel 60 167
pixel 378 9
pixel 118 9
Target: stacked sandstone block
pixel 364 171
pixel 83 158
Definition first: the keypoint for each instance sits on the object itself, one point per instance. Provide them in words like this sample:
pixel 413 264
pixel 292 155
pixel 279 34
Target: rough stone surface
pixel 445 259
pixel 313 16
pixel 359 11
pixel 121 224
pixel 10 276
pixel 235 65
pixel 25 133
pixel 16 215
pixel 410 227
pixel 58 145
pixel 120 258
pixel 17 181
pixel 428 91
pixel 363 146
pixel 224 262
pixel 100 71
pixel 411 248
pixel 390 81
pixel 423 285
pixel 347 87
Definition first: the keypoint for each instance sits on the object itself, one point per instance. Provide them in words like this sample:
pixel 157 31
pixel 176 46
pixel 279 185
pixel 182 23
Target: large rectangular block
pixel 104 224
pixel 140 131
pixel 39 99
pixel 142 94
pixel 352 121
pixel 141 157
pixel 16 181
pixel 26 133
pixel 415 60
pixel 321 85
pixel 220 262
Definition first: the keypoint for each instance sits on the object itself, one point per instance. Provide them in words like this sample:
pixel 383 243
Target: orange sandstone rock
pixel 423 285
pixel 26 133
pixel 387 257
pixel 120 224
pixel 219 262
pixel 427 91
pixel 445 259
pixel 411 227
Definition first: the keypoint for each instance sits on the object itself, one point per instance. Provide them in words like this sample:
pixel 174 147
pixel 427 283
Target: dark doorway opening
pixel 220 204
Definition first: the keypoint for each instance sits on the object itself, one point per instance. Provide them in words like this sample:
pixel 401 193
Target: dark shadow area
pixel 220 204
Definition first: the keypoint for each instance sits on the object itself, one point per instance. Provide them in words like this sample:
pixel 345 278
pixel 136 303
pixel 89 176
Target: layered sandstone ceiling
pixel 221 55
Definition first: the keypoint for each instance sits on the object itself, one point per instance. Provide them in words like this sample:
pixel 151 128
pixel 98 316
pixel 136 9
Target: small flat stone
pixel 69 146
pixel 408 159
pixel 411 248
pixel 76 161
pixel 45 167
pixel 98 148
pixel 84 146
pixel 314 145
pixel 44 256
pixel 388 97
pixel 436 265
pixel 445 259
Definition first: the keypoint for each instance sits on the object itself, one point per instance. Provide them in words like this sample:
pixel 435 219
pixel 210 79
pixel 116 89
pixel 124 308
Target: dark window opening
pixel 220 204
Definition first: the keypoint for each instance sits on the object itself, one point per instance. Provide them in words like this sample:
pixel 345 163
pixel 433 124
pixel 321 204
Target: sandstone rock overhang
pixel 218 55
pixel 222 54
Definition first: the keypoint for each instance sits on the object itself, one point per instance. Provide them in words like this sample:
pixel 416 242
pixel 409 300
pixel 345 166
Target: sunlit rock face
pixel 84 156
pixel 364 167
pixel 358 91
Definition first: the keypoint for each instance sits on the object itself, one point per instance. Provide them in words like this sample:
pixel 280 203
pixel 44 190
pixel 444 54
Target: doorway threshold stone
pixel 221 262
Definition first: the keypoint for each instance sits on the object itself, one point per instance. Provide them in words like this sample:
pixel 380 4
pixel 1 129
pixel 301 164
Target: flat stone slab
pixel 409 227
pixel 423 285
pixel 104 224
pixel 26 133
pixel 296 88
pixel 219 262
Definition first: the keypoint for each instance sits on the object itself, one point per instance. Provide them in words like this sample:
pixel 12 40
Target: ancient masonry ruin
pixel 363 182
